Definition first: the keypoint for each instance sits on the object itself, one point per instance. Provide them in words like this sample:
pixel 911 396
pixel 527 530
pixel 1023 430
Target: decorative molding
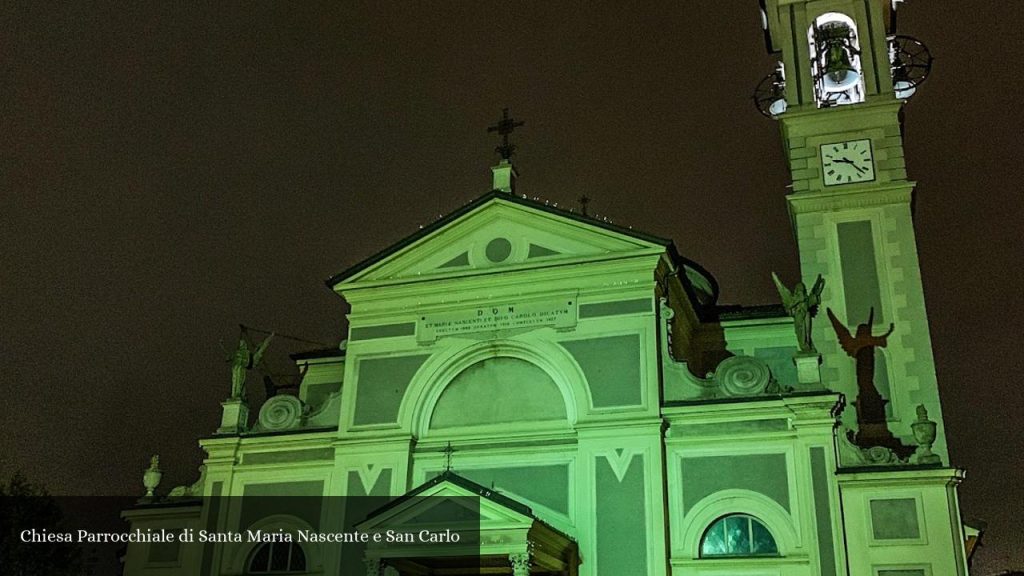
pixel 281 412
pixel 327 414
pixel 620 459
pixel 852 455
pixel 894 494
pixel 744 376
pixel 368 475
pixel 520 563
pixel 195 489
pixel 440 369
pixel 804 202
pixel 234 417
pixel 736 501
pixel 381 331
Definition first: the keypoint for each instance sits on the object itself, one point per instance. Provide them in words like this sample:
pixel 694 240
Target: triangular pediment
pixel 489 525
pixel 498 231
pixel 451 500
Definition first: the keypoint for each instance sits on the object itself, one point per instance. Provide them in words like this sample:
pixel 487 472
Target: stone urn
pixel 151 477
pixel 924 433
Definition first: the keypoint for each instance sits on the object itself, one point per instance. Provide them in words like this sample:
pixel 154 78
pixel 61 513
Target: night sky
pixel 169 170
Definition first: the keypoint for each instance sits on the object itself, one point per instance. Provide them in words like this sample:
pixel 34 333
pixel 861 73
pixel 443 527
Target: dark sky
pixel 169 170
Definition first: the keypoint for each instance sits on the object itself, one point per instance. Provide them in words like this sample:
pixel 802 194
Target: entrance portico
pixel 452 526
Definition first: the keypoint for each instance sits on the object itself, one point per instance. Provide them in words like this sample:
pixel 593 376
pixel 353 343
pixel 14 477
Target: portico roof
pixel 497 534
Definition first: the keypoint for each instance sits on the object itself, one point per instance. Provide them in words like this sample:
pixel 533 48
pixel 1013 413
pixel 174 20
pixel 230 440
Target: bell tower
pixel 838 95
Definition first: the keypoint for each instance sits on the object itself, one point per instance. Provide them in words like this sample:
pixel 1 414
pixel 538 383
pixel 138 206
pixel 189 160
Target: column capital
pixel 520 563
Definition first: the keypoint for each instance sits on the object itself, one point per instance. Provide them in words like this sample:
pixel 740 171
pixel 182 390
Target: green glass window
pixel 737 535
pixel 278 558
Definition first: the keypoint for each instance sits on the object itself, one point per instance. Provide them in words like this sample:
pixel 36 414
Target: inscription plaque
pixel 560 314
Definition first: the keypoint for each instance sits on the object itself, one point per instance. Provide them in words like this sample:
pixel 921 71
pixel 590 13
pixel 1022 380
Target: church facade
pixel 614 419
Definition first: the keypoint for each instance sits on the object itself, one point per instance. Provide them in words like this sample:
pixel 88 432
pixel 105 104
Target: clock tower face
pixel 847 162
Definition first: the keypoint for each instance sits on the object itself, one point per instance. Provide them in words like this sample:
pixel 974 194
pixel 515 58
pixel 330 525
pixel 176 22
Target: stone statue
pixel 242 361
pixel 871 420
pixel 802 306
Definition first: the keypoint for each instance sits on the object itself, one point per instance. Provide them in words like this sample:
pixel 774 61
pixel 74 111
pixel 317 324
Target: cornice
pixel 828 201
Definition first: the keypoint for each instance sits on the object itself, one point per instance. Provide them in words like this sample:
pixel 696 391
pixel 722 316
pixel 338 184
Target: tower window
pixel 278 558
pixel 835 60
pixel 737 535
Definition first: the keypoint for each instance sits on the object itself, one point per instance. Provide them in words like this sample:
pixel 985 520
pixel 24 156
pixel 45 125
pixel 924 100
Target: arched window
pixel 737 535
pixel 835 60
pixel 278 558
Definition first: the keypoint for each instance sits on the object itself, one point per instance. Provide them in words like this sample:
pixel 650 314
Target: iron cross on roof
pixel 505 126
pixel 448 451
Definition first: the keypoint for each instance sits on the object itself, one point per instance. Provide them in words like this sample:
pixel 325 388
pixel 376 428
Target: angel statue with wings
pixel 243 360
pixel 802 306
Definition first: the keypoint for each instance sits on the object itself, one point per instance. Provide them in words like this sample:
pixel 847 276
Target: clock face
pixel 847 162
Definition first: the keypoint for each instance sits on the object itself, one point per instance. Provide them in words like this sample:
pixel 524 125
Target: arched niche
pixel 498 390
pixel 542 385
pixel 834 33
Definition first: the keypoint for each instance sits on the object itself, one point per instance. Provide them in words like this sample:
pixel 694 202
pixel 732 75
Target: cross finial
pixel 505 126
pixel 584 200
pixel 448 451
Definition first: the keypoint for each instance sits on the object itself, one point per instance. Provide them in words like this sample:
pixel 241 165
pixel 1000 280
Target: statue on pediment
pixel 243 360
pixel 802 306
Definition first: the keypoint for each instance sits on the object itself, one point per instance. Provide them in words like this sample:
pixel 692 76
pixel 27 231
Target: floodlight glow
pixel 904 89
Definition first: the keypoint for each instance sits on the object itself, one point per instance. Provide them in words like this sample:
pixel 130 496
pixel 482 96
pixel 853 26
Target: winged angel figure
pixel 244 360
pixel 802 306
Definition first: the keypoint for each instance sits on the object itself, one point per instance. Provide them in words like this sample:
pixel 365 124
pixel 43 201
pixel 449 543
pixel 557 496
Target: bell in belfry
pixel 839 73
